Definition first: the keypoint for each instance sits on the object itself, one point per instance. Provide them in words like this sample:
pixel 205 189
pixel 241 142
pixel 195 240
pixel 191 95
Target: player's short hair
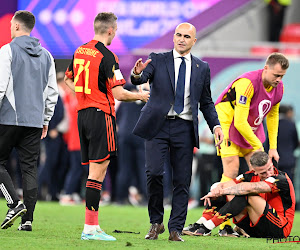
pixel 259 159
pixel 275 58
pixel 26 18
pixel 103 21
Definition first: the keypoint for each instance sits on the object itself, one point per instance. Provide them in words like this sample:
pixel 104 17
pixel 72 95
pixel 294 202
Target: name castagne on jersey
pixel 87 51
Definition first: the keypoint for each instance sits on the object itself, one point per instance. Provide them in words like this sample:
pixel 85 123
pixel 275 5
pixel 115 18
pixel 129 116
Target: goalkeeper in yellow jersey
pixel 241 108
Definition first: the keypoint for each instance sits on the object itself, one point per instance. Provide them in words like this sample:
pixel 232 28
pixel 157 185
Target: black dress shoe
pixel 175 236
pixel 154 231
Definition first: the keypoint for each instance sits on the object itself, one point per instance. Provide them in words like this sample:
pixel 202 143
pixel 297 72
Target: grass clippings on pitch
pixel 60 227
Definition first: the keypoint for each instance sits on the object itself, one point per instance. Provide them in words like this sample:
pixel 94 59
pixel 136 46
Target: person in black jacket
pixel 51 172
pixel 287 140
pixel 131 156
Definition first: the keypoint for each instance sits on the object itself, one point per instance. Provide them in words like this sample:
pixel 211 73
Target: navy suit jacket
pixel 161 75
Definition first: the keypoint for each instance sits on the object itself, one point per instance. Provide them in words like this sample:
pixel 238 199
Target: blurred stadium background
pixel 232 35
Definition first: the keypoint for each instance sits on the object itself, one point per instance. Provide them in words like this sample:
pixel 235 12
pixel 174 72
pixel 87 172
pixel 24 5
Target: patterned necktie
pixel 179 97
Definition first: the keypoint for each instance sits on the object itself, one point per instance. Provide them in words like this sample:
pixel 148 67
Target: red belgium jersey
pixel 282 197
pixel 95 71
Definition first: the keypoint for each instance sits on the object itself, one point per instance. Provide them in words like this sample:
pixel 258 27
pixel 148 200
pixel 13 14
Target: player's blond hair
pixel 275 58
pixel 103 21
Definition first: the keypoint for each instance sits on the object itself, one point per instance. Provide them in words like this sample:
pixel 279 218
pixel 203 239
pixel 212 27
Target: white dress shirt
pixel 186 113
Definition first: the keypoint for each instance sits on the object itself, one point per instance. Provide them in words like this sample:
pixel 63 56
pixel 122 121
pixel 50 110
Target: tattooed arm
pixel 216 191
pixel 240 189
pixel 247 188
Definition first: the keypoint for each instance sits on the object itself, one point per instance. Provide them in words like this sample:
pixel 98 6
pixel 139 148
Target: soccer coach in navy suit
pixel 180 86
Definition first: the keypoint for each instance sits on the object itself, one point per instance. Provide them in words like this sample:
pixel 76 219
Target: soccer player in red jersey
pixel 261 201
pixel 95 77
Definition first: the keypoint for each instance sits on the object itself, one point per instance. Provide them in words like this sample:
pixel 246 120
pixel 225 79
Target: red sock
pixel 93 194
pixel 209 213
pixel 219 219
pixel 91 217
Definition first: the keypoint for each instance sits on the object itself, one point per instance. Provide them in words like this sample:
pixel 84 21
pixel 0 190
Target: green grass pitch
pixel 58 227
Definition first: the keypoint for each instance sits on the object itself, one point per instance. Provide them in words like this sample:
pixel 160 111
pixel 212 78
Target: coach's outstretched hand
pixel 140 66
